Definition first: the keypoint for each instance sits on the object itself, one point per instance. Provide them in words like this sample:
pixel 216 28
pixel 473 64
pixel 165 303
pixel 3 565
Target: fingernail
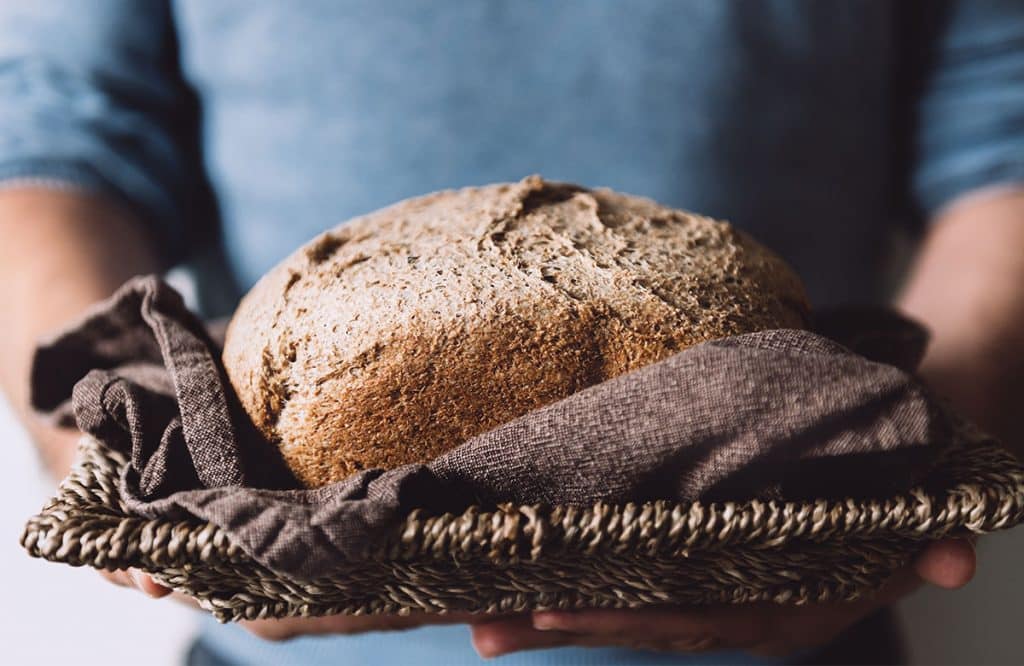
pixel 143 583
pixel 136 577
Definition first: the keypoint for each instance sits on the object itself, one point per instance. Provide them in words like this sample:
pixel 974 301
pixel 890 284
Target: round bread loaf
pixel 399 335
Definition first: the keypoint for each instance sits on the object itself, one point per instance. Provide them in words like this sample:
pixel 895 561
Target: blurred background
pixel 59 615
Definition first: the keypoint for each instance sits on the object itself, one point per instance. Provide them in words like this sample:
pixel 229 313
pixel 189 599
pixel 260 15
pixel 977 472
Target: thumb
pixel 949 564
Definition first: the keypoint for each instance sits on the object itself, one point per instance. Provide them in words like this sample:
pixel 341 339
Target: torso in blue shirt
pixel 774 115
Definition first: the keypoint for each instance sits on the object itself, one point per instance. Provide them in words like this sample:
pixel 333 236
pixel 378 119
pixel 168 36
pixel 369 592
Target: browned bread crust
pixel 397 336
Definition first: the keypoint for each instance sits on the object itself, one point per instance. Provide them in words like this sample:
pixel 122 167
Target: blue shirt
pixel 819 126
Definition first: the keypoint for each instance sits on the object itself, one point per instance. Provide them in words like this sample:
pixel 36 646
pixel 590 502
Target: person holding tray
pixel 136 136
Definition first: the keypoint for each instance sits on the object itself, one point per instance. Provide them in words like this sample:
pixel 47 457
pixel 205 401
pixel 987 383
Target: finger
pixel 684 629
pixel 492 639
pixel 119 578
pixel 949 564
pixel 687 645
pixel 773 649
pixel 147 585
pixel 648 624
pixel 133 578
pixel 706 643
pixel 498 638
pixel 290 627
pixel 123 578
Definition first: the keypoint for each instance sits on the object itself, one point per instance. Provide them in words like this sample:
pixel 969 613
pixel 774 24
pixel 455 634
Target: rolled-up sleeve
pixel 91 99
pixel 971 111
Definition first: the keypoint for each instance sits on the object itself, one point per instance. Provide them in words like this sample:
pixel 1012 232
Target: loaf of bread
pixel 399 335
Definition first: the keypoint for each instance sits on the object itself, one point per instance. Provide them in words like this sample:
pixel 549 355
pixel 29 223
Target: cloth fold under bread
pixel 780 413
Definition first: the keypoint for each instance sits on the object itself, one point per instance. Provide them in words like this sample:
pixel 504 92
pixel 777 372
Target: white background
pixel 53 614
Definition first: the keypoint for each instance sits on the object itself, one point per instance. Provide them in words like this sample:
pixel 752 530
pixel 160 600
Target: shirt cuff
pixel 940 193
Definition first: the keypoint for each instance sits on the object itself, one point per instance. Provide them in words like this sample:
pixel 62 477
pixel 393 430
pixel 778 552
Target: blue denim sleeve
pixel 971 114
pixel 90 101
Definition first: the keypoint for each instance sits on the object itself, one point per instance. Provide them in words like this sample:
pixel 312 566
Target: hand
pixel 293 627
pixel 764 629
pixel 133 578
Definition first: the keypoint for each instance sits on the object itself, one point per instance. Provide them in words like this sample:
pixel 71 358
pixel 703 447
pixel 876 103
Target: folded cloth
pixel 776 414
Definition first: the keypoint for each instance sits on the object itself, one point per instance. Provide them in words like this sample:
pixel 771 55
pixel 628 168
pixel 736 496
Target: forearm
pixel 61 252
pixel 967 286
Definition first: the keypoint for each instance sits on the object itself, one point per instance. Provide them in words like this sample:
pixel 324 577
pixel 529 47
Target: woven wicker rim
pixel 988 496
pixel 517 558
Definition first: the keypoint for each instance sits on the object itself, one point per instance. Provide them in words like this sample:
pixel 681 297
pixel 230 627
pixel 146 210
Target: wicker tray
pixel 531 557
